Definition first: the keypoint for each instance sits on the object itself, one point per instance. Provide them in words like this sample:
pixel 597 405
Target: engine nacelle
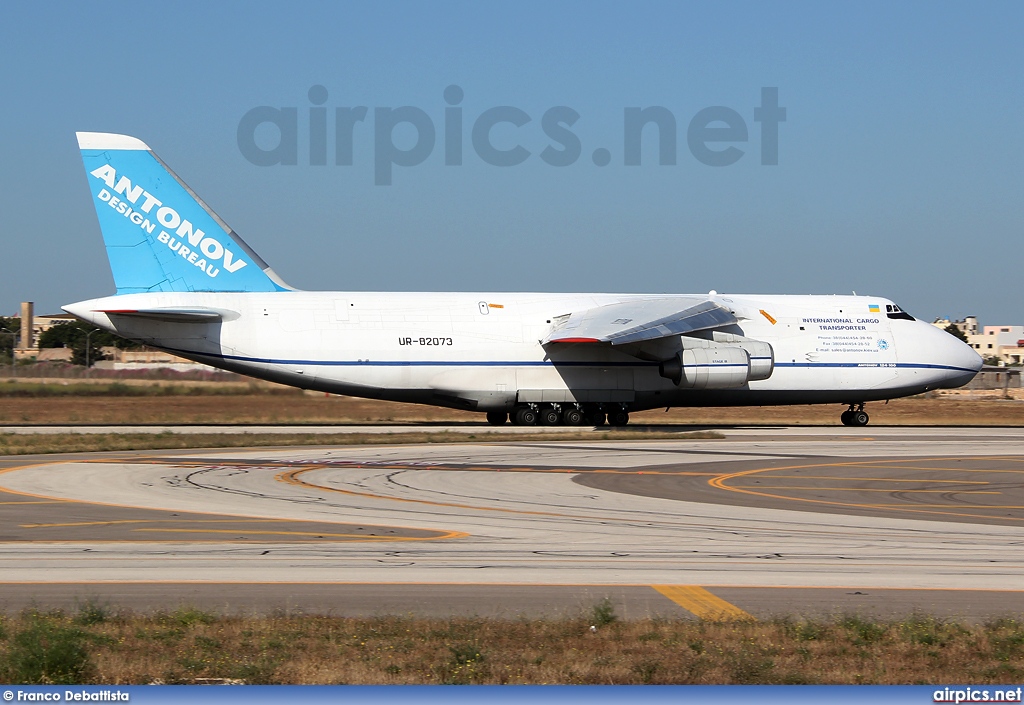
pixel 718 367
pixel 762 357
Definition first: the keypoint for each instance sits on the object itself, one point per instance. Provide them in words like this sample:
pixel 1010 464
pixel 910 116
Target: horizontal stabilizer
pixel 639 320
pixel 176 315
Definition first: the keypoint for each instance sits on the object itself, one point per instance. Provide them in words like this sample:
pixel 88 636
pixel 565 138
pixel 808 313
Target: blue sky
pixel 900 161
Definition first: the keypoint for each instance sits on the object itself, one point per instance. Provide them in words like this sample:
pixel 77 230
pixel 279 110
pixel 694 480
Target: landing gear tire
pixel 526 416
pixel 618 418
pixel 855 417
pixel 497 418
pixel 596 418
pixel 573 417
pixel 550 416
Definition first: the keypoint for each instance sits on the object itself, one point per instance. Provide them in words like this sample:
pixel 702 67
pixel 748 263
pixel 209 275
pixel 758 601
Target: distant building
pixel 54 355
pixel 32 327
pixel 41 324
pixel 1012 355
pixel 999 341
pixel 147 359
pixel 968 326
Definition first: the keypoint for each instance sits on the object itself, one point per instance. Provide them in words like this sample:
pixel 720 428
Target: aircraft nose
pixel 956 360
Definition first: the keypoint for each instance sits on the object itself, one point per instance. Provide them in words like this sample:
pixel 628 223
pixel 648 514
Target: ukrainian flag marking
pixel 873 308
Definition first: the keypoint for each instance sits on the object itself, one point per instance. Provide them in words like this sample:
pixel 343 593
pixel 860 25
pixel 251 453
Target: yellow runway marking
pixel 442 534
pixel 862 489
pixel 156 521
pixel 83 523
pixel 721 481
pixel 457 468
pixel 880 479
pixel 929 469
pixel 291 477
pixel 695 599
pixel 40 502
pixel 361 537
pixel 957 506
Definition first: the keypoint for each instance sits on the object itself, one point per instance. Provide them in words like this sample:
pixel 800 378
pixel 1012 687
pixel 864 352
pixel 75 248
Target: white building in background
pixel 1004 342
pixel 993 338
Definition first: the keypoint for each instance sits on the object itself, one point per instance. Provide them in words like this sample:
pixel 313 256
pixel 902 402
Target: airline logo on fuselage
pixel 184 239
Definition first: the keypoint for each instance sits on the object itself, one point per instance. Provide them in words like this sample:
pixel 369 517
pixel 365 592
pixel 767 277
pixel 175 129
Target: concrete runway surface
pixel 768 521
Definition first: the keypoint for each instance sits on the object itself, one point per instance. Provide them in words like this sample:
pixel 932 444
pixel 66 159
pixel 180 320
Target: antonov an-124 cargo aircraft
pixel 188 284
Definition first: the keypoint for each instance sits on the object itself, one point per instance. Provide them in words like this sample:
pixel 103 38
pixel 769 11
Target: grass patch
pixel 254 402
pixel 47 650
pixel 32 390
pixel 30 444
pixel 190 645
pixel 603 613
pixel 92 612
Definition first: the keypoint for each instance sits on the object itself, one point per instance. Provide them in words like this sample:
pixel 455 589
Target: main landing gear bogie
pixel 855 416
pixel 497 418
pixel 560 414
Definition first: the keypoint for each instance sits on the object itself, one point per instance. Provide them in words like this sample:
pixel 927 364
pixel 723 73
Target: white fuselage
pixel 483 351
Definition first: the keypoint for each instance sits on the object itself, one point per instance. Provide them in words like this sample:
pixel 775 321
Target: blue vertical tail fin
pixel 160 235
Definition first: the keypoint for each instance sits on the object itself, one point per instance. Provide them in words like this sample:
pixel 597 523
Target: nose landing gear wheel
pixel 855 417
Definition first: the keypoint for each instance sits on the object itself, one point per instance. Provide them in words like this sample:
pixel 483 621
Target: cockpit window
pixel 894 311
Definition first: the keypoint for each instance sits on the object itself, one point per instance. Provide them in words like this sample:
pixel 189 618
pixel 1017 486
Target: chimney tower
pixel 27 319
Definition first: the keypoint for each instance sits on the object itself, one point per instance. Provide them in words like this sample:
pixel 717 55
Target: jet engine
pixel 762 357
pixel 727 361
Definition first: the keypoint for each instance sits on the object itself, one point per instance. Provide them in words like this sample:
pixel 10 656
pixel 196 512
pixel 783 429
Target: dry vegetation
pixel 95 646
pixel 145 402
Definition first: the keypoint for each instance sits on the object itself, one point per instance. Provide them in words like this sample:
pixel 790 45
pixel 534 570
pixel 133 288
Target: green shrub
pixel 187 616
pixel 603 613
pixel 91 612
pixel 48 652
pixel 865 631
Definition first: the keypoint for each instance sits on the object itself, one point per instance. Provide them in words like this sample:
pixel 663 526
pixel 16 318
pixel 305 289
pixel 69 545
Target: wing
pixel 639 320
